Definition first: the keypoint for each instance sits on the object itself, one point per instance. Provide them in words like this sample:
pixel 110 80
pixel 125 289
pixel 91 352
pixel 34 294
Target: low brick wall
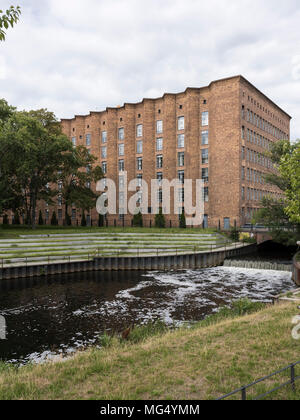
pixel 296 270
pixel 160 262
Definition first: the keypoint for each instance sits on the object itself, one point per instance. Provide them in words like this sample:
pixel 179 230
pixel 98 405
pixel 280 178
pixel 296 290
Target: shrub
pixel 101 220
pixel 138 220
pixel 150 329
pixel 54 221
pixel 68 220
pixel 5 220
pixel 182 223
pixel 83 219
pixel 41 221
pixel 160 221
pixel 234 234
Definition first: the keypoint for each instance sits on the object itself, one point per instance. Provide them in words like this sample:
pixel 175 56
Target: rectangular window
pixel 159 177
pixel 139 164
pixel 205 194
pixel 181 159
pixel 73 214
pixel 88 138
pixel 181 141
pixel 204 118
pixel 139 130
pixel 59 212
pixel 204 153
pixel 140 179
pixel 181 176
pixel 121 149
pixel 104 168
pixel 205 174
pixel 121 199
pixel 181 195
pixel 104 136
pixel 159 144
pixel 159 162
pixel 160 196
pixel 74 141
pixel 121 181
pixel 181 123
pixel 121 166
pixel 104 152
pixel 139 147
pixel 204 138
pixel 159 127
pixel 121 135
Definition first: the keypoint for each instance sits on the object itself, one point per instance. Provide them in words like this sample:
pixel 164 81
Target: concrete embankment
pixel 142 263
pixel 259 265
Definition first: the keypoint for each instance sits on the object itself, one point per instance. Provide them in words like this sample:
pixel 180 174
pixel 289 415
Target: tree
pixel 75 177
pixel 101 220
pixel 8 19
pixel 138 220
pixel 32 148
pixel 182 222
pixel 83 219
pixel 160 221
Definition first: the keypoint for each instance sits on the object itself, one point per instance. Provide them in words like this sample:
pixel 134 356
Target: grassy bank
pixel 202 362
pixel 10 232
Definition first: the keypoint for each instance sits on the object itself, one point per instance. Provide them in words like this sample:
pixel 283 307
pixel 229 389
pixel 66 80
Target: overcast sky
pixel 77 56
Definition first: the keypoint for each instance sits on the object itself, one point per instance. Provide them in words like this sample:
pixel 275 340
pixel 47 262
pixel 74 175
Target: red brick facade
pixel 242 124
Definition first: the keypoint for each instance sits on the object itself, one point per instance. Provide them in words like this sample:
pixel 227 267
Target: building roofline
pixel 240 77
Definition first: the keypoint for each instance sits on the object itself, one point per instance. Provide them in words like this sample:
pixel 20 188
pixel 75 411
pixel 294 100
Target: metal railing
pixel 243 390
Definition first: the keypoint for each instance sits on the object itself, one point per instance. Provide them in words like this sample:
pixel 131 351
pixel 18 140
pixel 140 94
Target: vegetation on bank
pixel 204 361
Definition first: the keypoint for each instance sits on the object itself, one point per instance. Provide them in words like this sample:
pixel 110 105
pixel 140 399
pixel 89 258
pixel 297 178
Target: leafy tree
pixel 68 220
pixel 17 221
pixel 182 222
pixel 75 176
pixel 54 221
pixel 235 234
pixel 41 221
pixel 138 220
pixel 5 220
pixel 8 19
pixel 160 221
pixel 32 147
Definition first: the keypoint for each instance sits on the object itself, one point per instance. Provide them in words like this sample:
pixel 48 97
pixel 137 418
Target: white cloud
pixel 73 57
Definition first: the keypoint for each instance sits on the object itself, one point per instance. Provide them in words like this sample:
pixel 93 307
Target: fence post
pixel 244 394
pixel 293 378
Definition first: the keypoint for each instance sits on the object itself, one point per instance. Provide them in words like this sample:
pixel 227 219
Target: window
pixel 226 223
pixel 121 149
pixel 159 127
pixel 121 135
pixel 205 174
pixel 243 132
pixel 159 177
pixel 160 196
pixel 121 166
pixel 205 194
pixel 73 214
pixel 159 162
pixel 121 199
pixel 139 130
pixel 204 156
pixel 181 159
pixel 139 147
pixel 181 195
pixel 104 136
pixel 204 138
pixel 181 123
pixel 181 141
pixel 74 141
pixel 204 118
pixel 140 179
pixel 59 212
pixel 181 176
pixel 104 167
pixel 59 200
pixel 104 152
pixel 88 139
pixel 121 181
pixel 159 144
pixel 139 164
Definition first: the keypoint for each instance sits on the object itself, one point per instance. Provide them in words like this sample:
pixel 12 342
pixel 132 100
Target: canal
pixel 54 316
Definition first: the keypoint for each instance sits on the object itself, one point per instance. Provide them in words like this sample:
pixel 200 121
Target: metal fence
pixel 243 390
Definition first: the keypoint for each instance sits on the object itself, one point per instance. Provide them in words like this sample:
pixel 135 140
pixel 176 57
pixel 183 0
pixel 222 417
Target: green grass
pixel 11 232
pixel 203 362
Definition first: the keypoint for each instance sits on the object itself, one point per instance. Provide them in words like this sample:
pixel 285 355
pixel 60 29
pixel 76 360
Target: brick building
pixel 219 133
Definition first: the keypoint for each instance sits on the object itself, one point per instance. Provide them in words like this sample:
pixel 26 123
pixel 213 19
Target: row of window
pixel 256 103
pixel 263 124
pixel 253 175
pixel 255 138
pixel 252 194
pixel 255 157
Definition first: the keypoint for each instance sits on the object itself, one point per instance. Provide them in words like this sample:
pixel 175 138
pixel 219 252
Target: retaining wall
pixel 161 262
pixel 296 270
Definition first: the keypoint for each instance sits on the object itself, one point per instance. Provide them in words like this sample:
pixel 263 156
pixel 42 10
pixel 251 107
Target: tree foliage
pixel 160 221
pixel 8 19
